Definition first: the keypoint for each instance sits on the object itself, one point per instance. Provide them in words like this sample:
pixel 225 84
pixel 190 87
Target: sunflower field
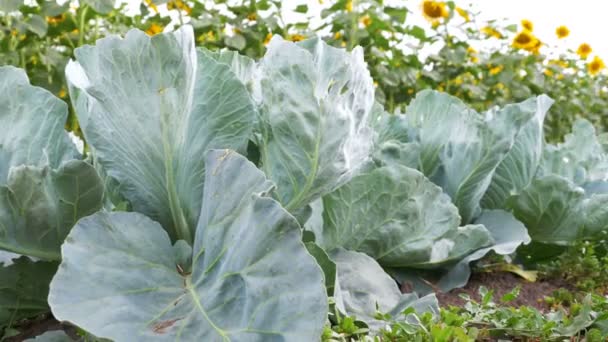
pixel 258 171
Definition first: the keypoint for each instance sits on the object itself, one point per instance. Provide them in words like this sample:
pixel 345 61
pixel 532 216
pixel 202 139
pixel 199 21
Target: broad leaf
pixel 33 120
pixel 363 289
pixel 316 104
pixel 550 208
pixel 398 217
pixel 101 6
pixel 243 67
pixel 393 144
pixel 24 287
pixel 326 264
pixel 580 159
pixel 519 166
pixel 39 206
pixel 42 192
pixel 595 223
pixel 150 107
pixel 507 235
pixel 460 149
pixel 10 5
pixel 247 277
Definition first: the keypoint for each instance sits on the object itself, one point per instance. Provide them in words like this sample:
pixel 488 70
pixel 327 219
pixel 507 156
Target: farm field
pixel 205 171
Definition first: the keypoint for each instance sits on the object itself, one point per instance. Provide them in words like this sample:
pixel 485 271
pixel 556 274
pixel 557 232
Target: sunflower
pixel 154 29
pixel 562 32
pixel 524 40
pixel 491 32
pixel 584 50
pixel 595 66
pixel 535 48
pixel 527 25
pixel 434 10
pixel 463 13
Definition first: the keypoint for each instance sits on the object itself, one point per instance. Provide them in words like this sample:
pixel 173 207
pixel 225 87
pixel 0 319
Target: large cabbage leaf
pixel 519 167
pixel 150 107
pixel 247 277
pixel 459 148
pixel 43 189
pixel 24 288
pixel 363 290
pixel 32 120
pixel 315 111
pixel 397 216
pixel 507 234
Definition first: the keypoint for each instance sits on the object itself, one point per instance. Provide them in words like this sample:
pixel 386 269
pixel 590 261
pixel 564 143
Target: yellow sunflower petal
pixel 562 32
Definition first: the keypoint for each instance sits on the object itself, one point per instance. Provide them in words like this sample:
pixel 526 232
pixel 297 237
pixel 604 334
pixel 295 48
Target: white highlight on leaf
pixel 441 250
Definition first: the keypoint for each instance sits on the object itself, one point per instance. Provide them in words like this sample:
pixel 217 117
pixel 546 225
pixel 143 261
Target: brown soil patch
pixel 530 294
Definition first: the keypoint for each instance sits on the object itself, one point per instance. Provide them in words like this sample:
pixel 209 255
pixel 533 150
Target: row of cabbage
pixel 224 198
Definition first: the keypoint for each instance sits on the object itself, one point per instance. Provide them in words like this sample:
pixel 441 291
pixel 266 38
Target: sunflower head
pixel 527 25
pixel 463 13
pixel 524 40
pixel 434 10
pixel 154 29
pixel 562 32
pixel 584 50
pixel 535 48
pixel 595 66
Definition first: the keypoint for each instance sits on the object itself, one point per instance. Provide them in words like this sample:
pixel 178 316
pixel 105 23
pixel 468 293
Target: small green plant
pixel 584 264
pixel 489 319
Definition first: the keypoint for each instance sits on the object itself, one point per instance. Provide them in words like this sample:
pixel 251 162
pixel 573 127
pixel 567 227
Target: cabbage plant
pixel 45 188
pixel 206 254
pixel 566 198
pixel 185 218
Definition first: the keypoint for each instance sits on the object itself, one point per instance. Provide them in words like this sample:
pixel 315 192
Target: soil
pixel 530 294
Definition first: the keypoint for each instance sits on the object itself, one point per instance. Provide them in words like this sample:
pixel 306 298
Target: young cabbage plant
pixel 45 188
pixel 206 254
